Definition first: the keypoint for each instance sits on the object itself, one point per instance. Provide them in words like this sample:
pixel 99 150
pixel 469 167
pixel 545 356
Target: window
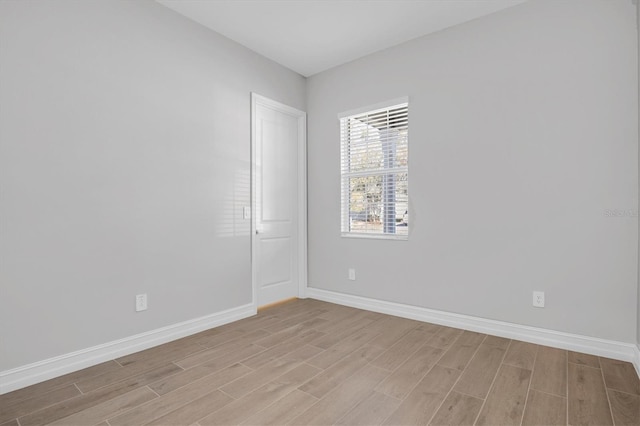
pixel 374 171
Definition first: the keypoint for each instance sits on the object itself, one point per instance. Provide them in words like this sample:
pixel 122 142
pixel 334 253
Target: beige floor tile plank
pixel 342 398
pixel 110 408
pixel 462 350
pixel 310 336
pixel 341 331
pixel 550 371
pixel 457 409
pixel 521 354
pixel 247 336
pixel 195 410
pixel 38 402
pixel 620 375
pixel 340 371
pixel 343 348
pixel 162 354
pixel 270 371
pixel 355 321
pixel 13 422
pixel 477 378
pixel 625 408
pixel 169 402
pixel 212 341
pixel 505 403
pixel 258 323
pixel 372 410
pixel 87 400
pixel 425 399
pixel 281 310
pixel 240 410
pixel 153 372
pixel 283 410
pixel 297 319
pixel 392 329
pixel 584 359
pixel 397 354
pixel 433 329
pixel 499 342
pixel 377 316
pixel 309 321
pixel 221 357
pixel 261 359
pixel 284 335
pixel 544 409
pixel 444 338
pixel 185 377
pixel 403 380
pixel 210 354
pixel 343 315
pixel 588 404
pixel 11 398
pixel 340 313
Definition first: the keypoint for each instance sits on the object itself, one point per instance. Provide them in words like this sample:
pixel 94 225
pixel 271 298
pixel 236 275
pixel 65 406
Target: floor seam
pixel 495 376
pixel 533 370
pixel 458 379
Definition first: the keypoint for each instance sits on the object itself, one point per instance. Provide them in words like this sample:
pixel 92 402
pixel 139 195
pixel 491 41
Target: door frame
pixel 301 117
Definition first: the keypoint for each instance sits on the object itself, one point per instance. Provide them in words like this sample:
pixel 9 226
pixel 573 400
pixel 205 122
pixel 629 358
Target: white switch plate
pixel 538 299
pixel 352 274
pixel 246 212
pixel 141 302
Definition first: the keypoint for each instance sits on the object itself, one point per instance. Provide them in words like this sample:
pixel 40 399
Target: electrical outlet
pixel 352 274
pixel 141 302
pixel 538 299
pixel 246 212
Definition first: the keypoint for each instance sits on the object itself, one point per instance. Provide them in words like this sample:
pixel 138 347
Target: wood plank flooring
pixel 311 362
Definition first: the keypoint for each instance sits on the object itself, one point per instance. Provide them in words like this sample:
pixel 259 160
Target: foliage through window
pixel 374 171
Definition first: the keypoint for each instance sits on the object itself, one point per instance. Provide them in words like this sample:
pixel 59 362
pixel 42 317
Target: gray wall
pixel 638 265
pixel 523 133
pixel 124 166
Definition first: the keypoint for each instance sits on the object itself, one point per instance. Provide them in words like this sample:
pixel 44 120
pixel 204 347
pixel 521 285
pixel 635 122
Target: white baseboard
pixel 574 342
pixel 53 367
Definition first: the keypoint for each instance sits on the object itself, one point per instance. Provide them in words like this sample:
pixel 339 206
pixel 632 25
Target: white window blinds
pixel 374 171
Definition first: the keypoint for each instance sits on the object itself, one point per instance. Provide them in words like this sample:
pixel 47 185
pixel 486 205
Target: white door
pixel 279 201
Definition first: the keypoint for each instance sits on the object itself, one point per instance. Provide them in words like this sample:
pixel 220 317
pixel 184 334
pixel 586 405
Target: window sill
pixel 375 236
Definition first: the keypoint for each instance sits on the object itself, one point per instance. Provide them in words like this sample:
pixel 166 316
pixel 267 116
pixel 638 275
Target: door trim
pixel 301 116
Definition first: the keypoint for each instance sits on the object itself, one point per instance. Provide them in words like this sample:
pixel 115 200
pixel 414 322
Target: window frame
pixel 345 176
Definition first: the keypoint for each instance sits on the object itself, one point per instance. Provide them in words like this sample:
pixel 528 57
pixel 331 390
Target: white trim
pixel 377 106
pixel 53 367
pixel 575 342
pixel 302 206
pixel 398 237
pixel 301 116
pixel 254 272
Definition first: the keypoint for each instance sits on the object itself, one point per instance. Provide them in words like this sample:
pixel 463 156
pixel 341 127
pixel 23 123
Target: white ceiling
pixel 309 36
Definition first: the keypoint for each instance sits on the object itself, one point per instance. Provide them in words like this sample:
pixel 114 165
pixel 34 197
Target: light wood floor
pixel 310 362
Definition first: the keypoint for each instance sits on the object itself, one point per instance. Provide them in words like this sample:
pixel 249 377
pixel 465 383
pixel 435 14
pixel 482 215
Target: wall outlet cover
pixel 141 302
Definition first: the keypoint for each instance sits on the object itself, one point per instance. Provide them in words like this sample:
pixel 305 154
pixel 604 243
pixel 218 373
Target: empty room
pixel 328 212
